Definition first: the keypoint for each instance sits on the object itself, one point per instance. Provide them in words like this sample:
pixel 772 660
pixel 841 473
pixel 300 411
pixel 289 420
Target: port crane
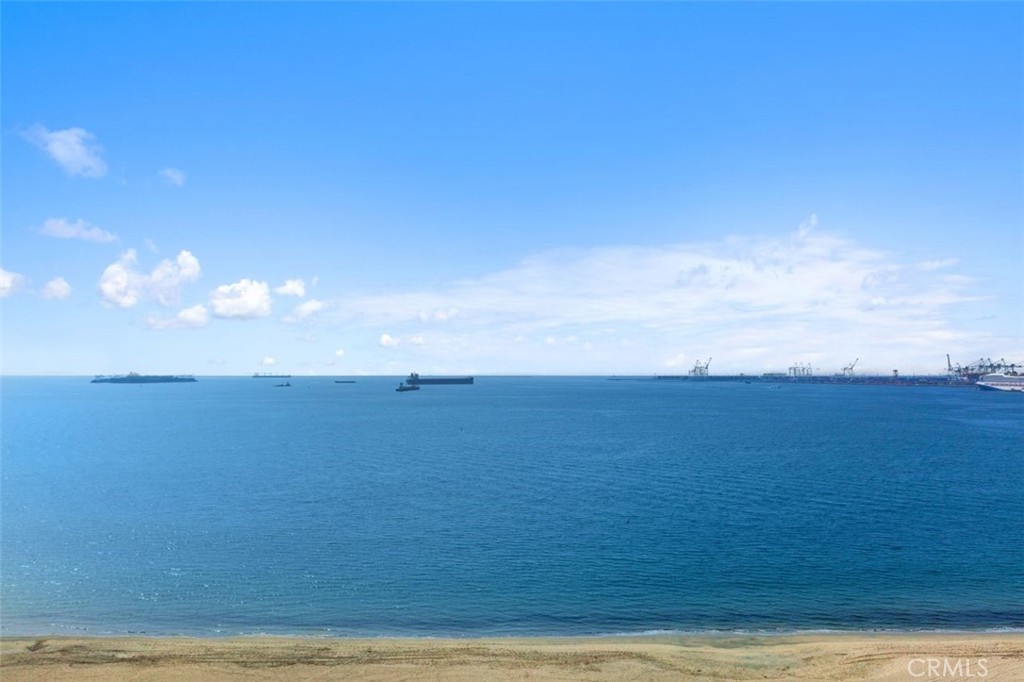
pixel 700 369
pixel 976 370
pixel 798 370
pixel 848 370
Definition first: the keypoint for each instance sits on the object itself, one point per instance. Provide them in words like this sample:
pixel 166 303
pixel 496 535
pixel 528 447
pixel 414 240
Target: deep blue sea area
pixel 515 506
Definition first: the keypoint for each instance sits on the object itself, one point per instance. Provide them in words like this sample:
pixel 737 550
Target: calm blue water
pixel 514 506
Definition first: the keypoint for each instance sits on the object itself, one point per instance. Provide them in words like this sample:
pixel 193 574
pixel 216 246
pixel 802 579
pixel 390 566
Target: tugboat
pixel 402 388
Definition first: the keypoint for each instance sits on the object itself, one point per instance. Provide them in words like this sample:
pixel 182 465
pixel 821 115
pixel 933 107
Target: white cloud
pixel 438 315
pixel 167 276
pixel 268 361
pixel 571 339
pixel 244 300
pixel 73 149
pixel 292 287
pixel 173 177
pixel 120 283
pixel 338 355
pixel 10 283
pixel 189 318
pixel 57 287
pixel 124 286
pixel 304 311
pixel 674 286
pixel 61 228
pixel 679 360
pixel 930 265
pixel 808 294
pixel 196 316
pixel 807 226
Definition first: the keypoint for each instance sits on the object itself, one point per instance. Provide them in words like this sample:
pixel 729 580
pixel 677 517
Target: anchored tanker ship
pixel 416 380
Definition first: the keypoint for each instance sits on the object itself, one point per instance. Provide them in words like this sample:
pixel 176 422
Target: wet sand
pixel 822 658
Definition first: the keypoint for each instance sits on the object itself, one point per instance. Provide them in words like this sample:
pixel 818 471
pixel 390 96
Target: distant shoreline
pixel 838 657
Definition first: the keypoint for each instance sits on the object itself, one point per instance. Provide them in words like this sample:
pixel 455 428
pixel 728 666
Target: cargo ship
pixel 416 380
pixel 134 378
pixel 257 375
pixel 1002 382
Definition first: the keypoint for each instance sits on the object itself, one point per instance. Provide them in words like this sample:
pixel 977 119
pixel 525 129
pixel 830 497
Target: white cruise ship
pixel 1002 382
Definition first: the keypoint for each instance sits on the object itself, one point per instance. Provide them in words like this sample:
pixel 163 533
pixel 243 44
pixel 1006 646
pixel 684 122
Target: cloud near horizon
pixel 73 149
pixel 189 318
pixel 751 303
pixel 808 296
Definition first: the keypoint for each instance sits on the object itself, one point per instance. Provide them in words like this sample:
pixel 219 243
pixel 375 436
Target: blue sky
pixel 577 188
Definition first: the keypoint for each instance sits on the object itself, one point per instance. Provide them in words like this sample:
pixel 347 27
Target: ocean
pixel 515 506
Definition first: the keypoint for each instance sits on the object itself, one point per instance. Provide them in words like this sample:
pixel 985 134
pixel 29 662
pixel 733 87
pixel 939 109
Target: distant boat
pixel 1002 382
pixel 284 385
pixel 134 378
pixel 402 388
pixel 257 375
pixel 344 381
pixel 416 380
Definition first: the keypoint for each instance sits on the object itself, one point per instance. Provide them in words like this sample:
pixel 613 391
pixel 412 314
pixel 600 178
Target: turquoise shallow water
pixel 515 506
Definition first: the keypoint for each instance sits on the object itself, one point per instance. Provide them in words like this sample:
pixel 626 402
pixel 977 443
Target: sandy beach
pixel 822 658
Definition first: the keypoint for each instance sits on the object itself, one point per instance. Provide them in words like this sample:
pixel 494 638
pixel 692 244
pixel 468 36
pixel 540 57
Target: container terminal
pixel 955 376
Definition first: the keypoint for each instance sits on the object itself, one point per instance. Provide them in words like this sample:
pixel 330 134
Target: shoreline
pixel 90 634
pixel 836 657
